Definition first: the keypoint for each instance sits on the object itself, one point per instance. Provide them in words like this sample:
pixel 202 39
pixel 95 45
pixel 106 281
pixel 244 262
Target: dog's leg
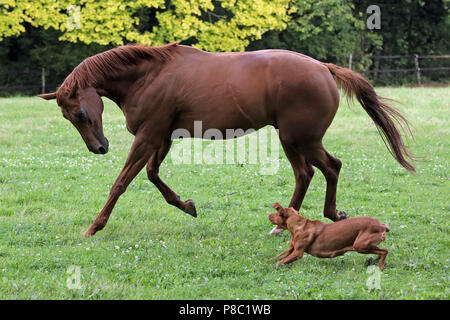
pixel 285 253
pixel 299 243
pixel 366 243
pixel 297 254
pixel 382 253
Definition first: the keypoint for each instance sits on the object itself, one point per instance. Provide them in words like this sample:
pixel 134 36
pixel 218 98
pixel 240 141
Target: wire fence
pixel 11 82
pixel 37 81
pixel 417 68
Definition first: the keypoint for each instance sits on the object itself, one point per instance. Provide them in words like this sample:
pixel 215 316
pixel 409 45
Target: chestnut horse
pixel 161 89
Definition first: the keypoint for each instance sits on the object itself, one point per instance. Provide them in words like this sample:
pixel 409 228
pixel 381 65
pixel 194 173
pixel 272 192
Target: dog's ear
pixel 281 211
pixel 277 206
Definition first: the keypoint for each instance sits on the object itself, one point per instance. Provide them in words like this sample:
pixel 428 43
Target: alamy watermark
pixel 374 20
pixel 73 280
pixel 74 20
pixel 374 279
pixel 251 147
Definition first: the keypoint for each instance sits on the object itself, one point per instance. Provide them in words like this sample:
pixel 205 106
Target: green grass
pixel 51 189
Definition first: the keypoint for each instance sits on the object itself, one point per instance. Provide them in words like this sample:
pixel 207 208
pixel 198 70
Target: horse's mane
pixel 109 65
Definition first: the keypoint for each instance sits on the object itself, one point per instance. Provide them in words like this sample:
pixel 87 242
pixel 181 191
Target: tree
pixel 326 30
pixel 117 22
pixel 411 27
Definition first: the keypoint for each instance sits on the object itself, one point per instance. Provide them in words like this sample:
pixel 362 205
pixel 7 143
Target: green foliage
pixel 22 59
pixel 407 28
pixel 116 22
pixel 326 30
pixel 58 35
pixel 13 15
pixel 332 30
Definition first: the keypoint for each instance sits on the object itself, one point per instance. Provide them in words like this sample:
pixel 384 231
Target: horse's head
pixel 84 110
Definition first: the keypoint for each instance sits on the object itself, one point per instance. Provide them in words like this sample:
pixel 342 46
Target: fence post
pixel 350 60
pixel 416 62
pixel 43 80
pixel 377 67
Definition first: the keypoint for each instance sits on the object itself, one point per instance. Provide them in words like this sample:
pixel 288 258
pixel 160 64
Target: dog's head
pixel 280 217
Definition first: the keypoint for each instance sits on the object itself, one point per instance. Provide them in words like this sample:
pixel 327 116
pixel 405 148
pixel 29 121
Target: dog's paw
pixel 279 263
pixel 276 231
pixel 370 261
pixel 274 258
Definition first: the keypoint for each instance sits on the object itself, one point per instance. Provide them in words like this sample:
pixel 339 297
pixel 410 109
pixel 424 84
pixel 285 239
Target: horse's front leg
pixel 153 175
pixel 139 154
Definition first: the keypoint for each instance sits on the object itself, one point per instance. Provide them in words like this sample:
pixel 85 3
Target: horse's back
pixel 304 95
pixel 254 89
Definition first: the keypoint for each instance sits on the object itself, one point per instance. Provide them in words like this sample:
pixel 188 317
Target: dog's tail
pixel 384 116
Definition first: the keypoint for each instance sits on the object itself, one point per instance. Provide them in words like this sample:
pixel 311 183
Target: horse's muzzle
pixel 102 147
pixel 102 150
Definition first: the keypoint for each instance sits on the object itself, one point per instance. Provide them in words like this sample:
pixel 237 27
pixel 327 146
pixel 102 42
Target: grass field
pixel 51 189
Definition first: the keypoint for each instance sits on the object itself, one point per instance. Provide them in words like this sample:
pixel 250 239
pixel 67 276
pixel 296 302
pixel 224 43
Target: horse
pixel 164 88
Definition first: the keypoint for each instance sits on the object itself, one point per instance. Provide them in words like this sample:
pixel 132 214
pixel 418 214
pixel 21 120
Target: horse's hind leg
pixel 303 172
pixel 171 197
pixel 330 167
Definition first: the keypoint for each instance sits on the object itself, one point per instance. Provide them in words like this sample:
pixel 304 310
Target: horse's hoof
pixel 190 208
pixel 341 215
pixel 88 233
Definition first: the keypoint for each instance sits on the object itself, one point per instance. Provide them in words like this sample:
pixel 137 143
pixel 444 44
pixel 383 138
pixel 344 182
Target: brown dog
pixel 328 240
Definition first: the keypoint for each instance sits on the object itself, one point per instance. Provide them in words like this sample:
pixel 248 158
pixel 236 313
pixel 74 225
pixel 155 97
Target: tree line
pixel 57 35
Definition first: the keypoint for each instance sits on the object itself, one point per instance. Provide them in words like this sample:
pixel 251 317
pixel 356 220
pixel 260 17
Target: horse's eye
pixel 81 116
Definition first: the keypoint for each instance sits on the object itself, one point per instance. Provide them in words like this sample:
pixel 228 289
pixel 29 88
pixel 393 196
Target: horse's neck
pixel 116 90
pixel 119 89
pixel 113 91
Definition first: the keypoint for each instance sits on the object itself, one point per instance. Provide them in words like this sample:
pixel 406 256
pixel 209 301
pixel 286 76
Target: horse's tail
pixel 384 116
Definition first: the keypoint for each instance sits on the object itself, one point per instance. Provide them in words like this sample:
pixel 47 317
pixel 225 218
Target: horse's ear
pixel 47 96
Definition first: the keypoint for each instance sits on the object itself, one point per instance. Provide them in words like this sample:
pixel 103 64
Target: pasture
pixel 52 188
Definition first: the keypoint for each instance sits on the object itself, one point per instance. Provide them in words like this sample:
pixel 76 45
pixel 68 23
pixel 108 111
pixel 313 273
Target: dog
pixel 328 240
